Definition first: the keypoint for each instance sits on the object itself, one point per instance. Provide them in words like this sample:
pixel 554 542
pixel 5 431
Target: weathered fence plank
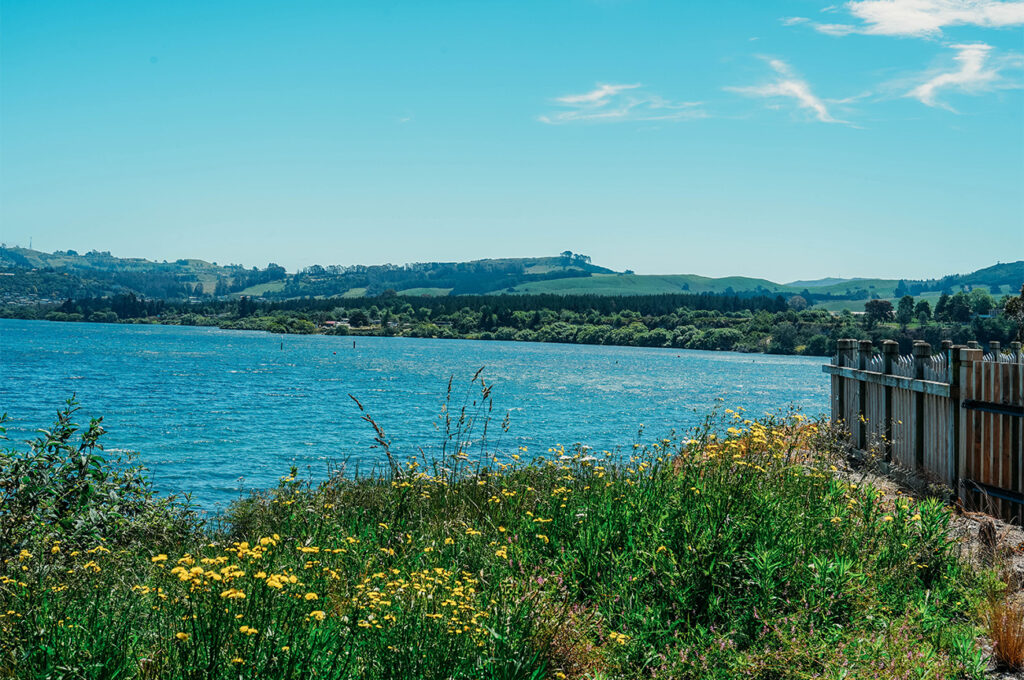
pixel 954 417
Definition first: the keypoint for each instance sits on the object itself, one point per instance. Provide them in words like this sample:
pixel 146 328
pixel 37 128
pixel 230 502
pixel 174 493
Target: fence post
pixel 994 346
pixel 862 396
pixel 843 353
pixel 968 358
pixel 1015 348
pixel 922 353
pixel 973 344
pixel 953 429
pixel 890 350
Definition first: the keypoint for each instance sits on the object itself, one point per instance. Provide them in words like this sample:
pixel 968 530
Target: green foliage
pixel 877 311
pixel 740 555
pixel 62 487
pixel 905 311
pixel 923 312
pixel 1013 309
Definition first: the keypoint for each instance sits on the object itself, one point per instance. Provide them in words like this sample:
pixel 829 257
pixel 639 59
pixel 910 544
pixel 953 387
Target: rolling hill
pixel 30 276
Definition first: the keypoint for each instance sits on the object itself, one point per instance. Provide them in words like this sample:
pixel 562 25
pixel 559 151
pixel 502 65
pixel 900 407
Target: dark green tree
pixel 1013 309
pixel 942 307
pixel 981 302
pixel 923 312
pixel 358 319
pixel 905 311
pixel 959 308
pixel 877 311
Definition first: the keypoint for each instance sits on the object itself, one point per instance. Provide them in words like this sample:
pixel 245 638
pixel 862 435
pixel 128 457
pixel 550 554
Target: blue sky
pixel 786 140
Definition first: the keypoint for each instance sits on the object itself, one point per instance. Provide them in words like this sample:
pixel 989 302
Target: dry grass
pixel 1006 628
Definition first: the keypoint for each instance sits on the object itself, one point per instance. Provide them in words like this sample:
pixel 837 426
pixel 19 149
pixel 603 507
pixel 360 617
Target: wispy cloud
pixel 974 73
pixel 620 103
pixel 599 95
pixel 788 84
pixel 925 18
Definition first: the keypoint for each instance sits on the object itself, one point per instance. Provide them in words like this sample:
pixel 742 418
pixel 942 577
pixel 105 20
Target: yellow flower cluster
pixel 437 594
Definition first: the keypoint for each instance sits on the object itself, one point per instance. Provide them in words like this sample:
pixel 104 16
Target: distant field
pixel 430 292
pixel 263 288
pixel 858 305
pixel 645 284
pixel 208 281
pixel 354 293
pixel 881 287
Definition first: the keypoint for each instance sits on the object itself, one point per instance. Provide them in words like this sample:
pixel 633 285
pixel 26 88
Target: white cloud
pixel 975 72
pixel 598 96
pixel 924 18
pixel 793 21
pixel 619 103
pixel 787 84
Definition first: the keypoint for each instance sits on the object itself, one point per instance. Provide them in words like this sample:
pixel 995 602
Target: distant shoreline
pixel 376 332
pixel 360 333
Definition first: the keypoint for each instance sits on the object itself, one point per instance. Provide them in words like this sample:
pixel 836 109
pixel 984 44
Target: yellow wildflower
pixel 618 637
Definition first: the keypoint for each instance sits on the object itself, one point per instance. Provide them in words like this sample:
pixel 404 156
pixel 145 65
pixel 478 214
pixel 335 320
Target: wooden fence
pixel 953 417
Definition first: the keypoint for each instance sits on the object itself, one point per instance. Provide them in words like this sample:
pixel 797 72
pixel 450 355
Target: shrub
pixel 63 489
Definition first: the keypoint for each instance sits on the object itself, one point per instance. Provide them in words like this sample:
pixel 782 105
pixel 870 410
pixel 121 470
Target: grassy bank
pixel 709 557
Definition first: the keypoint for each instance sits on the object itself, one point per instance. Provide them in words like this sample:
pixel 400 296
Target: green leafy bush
pixel 62 488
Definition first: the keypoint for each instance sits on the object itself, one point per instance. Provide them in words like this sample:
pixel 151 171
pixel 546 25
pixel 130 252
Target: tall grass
pixel 739 554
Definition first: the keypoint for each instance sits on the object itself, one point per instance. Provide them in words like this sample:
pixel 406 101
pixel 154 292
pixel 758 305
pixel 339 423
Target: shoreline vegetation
pixel 761 324
pixel 749 553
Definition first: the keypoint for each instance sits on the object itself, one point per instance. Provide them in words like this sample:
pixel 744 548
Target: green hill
pixel 651 284
pixel 30 276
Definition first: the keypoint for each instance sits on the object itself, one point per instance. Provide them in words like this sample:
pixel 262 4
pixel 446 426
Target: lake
pixel 212 412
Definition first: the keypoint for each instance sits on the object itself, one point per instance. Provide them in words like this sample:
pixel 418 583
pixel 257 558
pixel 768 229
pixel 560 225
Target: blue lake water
pixel 212 411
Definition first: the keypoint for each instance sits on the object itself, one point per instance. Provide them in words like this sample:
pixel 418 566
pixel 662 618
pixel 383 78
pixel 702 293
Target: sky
pixel 786 140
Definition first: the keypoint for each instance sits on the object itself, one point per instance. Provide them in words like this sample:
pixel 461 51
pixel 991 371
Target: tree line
pixel 705 321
